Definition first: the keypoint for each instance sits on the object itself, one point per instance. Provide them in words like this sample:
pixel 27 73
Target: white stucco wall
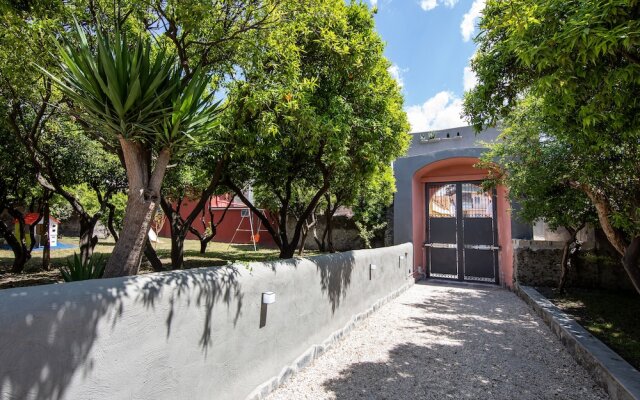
pixel 192 334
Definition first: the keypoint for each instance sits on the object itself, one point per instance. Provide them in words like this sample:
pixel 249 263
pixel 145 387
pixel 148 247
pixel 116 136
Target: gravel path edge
pixel 315 351
pixel 620 380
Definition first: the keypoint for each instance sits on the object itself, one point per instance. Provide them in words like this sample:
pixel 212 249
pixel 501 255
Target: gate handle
pixel 466 246
pixel 441 245
pixel 482 247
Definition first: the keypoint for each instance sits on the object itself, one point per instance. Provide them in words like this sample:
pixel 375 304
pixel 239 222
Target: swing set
pixel 246 214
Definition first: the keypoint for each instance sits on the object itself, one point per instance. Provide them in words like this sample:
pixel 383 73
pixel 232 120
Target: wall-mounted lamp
pixel 268 297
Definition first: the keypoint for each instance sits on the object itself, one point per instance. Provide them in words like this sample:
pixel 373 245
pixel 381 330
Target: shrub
pixel 76 270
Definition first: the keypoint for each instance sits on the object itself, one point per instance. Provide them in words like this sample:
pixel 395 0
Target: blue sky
pixel 430 43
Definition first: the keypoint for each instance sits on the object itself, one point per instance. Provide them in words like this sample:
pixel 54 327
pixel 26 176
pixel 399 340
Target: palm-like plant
pixel 77 270
pixel 121 87
pixel 136 96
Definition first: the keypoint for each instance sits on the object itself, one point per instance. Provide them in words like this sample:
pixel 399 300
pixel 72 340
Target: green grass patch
pixel 613 317
pixel 217 254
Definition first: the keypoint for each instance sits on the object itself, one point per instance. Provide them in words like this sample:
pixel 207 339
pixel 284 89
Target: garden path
pixel 439 341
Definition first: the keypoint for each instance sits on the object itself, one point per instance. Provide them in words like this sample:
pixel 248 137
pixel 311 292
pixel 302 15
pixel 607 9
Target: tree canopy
pixel 579 62
pixel 315 100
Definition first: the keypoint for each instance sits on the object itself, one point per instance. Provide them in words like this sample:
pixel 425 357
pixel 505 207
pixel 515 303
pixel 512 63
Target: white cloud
pixel 429 5
pixel 442 111
pixel 468 24
pixel 396 73
pixel 470 80
pixel 373 3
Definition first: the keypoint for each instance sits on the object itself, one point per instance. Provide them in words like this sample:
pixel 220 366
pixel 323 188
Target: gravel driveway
pixel 446 341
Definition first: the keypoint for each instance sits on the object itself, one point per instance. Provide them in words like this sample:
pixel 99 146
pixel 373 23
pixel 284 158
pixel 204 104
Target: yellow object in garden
pixel 27 237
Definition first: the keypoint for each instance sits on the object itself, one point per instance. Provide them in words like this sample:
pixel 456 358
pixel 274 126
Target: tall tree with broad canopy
pixel 538 170
pixel 581 61
pixel 208 36
pixel 39 117
pixel 316 99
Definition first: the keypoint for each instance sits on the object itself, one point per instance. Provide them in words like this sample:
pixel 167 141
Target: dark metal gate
pixel 461 232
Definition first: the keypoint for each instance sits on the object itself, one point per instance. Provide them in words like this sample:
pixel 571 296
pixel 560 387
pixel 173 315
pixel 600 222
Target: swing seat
pixel 256 237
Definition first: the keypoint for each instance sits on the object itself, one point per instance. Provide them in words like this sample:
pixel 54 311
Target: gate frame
pixel 460 254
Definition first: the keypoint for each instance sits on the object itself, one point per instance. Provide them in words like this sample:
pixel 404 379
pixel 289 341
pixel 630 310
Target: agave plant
pixel 120 87
pixel 138 96
pixel 76 270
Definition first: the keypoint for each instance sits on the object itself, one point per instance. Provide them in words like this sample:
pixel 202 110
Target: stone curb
pixel 614 374
pixel 315 351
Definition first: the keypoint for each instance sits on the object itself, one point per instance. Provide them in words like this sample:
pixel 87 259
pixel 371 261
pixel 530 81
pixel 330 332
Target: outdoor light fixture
pixel 268 297
pixel 372 267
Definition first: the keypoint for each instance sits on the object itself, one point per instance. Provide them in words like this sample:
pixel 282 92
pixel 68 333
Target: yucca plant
pixel 136 96
pixel 76 270
pixel 121 87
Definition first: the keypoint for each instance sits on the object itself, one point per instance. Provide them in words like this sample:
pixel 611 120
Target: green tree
pixel 206 36
pixel 371 205
pixel 315 100
pixel 137 100
pixel 538 170
pixel 194 180
pixel 581 61
pixel 38 116
pixel 19 192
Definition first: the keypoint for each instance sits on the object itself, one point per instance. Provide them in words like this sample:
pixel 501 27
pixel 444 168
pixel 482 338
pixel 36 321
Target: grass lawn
pixel 217 254
pixel 613 317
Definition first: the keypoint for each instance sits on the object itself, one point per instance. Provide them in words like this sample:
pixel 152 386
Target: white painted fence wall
pixel 193 334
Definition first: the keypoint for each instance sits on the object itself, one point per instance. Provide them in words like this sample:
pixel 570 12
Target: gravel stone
pixel 446 341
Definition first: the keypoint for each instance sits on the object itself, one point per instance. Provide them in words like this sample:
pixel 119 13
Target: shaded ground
pixel 440 341
pixel 613 317
pixel 217 254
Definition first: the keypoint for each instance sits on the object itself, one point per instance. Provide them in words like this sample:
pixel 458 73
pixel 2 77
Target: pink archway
pixel 453 170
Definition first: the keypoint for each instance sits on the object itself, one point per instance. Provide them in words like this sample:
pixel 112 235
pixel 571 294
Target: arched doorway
pixel 460 232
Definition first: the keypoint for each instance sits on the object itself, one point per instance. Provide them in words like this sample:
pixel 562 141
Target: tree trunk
pixel 319 243
pixel 180 227
pixel 88 240
pixel 143 198
pixel 110 226
pixel 288 250
pixel 151 256
pixel 46 250
pixel 281 238
pixel 568 255
pixel 24 254
pixel 330 247
pixel 305 232
pixel 303 240
pixel 177 233
pixel 630 262
pixel 127 253
pixel 564 265
pixel 629 252
pixel 20 253
pixel 329 228
pixel 177 250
